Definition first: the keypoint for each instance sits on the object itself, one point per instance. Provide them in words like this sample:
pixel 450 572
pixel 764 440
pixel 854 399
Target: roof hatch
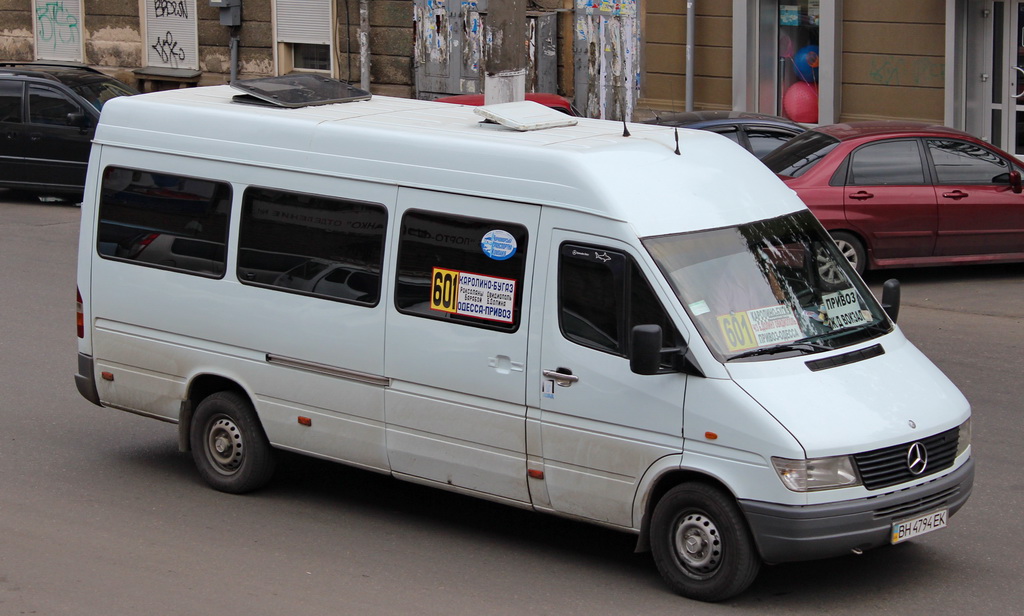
pixel 298 90
pixel 525 115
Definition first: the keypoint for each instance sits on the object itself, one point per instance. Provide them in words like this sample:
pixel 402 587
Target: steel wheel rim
pixel 698 545
pixel 224 446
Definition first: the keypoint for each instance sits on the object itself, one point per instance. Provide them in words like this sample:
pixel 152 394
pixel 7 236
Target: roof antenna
pixel 625 130
pixel 677 141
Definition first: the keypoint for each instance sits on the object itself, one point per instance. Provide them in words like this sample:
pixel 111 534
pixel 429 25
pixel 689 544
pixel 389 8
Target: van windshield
pixel 768 289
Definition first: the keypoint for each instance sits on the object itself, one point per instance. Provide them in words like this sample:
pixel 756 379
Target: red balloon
pixel 800 102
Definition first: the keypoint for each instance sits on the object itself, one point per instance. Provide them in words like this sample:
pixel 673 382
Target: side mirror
pixel 645 349
pixel 77 119
pixel 1015 183
pixel 891 297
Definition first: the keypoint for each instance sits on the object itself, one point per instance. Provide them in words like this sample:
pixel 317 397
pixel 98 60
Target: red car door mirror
pixel 1015 184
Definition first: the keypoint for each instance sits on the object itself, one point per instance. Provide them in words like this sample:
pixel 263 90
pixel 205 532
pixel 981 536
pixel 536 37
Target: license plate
pixel 915 527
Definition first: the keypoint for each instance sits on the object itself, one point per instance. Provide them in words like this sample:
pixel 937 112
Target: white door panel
pixel 601 432
pixel 456 410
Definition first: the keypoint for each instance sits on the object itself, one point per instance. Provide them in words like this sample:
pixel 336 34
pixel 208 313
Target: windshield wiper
pixel 873 327
pixel 803 346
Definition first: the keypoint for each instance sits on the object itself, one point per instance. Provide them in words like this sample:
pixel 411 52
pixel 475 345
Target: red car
pixel 903 194
pixel 559 103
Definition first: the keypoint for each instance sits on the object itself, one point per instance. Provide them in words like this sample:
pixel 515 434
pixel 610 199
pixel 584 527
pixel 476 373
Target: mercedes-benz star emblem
pixel 917 458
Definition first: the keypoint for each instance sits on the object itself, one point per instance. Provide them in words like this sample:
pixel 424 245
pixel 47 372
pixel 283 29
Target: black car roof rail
pixel 28 65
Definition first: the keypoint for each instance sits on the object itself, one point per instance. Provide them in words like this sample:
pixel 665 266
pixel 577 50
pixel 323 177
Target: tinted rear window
pixel 801 153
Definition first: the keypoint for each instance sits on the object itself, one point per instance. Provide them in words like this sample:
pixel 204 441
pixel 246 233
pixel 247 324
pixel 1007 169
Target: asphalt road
pixel 100 515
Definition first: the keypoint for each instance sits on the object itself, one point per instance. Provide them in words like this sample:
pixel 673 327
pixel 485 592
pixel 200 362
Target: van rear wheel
pixel 701 543
pixel 229 446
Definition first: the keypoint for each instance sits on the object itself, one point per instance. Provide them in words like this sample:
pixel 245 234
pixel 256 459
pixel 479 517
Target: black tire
pixel 853 249
pixel 701 543
pixel 229 446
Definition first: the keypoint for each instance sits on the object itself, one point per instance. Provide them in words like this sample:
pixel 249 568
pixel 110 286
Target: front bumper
pixel 786 533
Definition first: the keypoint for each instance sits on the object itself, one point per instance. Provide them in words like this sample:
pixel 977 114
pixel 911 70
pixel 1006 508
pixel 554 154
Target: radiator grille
pixel 888 466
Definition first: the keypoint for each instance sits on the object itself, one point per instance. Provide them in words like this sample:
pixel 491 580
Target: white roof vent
pixel 525 115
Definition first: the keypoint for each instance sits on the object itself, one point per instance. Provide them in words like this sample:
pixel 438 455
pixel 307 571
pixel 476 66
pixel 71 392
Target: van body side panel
pixel 730 437
pixel 456 406
pixel 155 330
pixel 600 434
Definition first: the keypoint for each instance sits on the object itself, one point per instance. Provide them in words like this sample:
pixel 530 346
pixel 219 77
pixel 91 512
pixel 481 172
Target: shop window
pixel 799 57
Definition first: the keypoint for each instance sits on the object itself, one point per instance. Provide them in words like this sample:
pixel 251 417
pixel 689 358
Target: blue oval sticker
pixel 498 245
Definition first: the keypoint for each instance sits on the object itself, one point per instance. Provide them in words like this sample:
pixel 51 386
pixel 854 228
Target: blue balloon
pixel 805 62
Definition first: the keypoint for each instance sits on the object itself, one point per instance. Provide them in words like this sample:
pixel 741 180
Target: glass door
pixel 1006 94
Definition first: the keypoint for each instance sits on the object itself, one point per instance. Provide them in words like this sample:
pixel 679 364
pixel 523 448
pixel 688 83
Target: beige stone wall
pixel 893 63
pixel 255 50
pixel 892 60
pixel 16 42
pixel 112 38
pixel 663 84
pixel 391 45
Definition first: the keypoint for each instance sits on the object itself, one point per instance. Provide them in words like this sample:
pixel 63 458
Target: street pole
pixel 505 52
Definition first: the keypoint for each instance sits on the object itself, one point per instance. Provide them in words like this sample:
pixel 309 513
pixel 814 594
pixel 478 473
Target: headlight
pixel 964 440
pixel 816 473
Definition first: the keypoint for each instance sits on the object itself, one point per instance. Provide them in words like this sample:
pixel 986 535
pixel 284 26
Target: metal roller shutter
pixel 58 30
pixel 304 21
pixel 171 39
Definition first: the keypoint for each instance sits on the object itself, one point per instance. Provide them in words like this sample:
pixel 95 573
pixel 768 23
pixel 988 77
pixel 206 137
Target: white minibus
pixel 622 324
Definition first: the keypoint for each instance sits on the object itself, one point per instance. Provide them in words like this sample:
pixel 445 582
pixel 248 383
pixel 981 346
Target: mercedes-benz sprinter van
pixel 628 325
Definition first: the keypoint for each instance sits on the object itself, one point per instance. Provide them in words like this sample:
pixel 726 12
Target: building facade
pixel 953 62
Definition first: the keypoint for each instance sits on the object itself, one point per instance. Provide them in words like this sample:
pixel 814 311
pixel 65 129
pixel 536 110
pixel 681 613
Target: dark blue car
pixel 48 114
pixel 757 132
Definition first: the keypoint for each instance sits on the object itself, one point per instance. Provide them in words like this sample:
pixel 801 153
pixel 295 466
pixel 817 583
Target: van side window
pixel 602 295
pixel 163 220
pixel 461 269
pixel 312 245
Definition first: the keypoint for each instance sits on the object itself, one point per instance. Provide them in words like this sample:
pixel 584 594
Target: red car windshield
pixel 801 153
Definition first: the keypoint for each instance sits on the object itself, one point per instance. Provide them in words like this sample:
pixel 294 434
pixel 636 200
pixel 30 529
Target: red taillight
pixel 80 314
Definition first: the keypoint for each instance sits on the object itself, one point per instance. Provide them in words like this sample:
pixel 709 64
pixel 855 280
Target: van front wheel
pixel 701 543
pixel 229 446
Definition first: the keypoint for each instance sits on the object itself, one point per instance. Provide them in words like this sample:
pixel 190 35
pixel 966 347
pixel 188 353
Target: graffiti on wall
pixel 170 8
pixel 55 25
pixel 170 27
pixel 168 49
pixel 903 71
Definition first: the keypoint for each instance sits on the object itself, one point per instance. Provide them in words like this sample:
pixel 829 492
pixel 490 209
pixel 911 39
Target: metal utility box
pixel 230 11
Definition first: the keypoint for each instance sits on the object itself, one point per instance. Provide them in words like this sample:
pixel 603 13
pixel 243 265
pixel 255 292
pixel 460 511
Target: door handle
pixel 1021 71
pixel 562 376
pixel 862 195
pixel 956 195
